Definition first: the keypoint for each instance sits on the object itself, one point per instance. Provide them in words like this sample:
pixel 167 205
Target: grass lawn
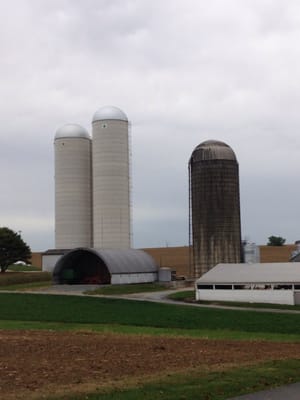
pixel 203 385
pixel 10 280
pixel 185 295
pixel 23 268
pixel 26 286
pixel 91 310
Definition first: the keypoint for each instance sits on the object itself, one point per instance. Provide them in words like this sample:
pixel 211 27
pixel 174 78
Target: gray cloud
pixel 184 72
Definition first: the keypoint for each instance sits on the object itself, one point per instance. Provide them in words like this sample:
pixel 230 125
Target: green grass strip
pixel 206 385
pixel 189 296
pixel 26 286
pixel 23 268
pixel 127 289
pixel 91 310
pixel 15 278
pixel 185 295
pixel 144 330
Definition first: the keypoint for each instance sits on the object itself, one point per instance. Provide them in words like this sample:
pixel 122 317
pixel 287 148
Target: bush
pixel 275 241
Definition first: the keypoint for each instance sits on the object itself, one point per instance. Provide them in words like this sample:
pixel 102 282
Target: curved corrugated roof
pixel 213 150
pixel 127 261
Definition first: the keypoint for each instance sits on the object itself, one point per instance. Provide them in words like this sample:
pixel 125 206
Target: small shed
pixel 92 266
pixel 277 283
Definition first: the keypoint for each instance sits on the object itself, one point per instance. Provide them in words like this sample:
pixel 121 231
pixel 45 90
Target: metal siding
pixel 127 261
pixel 121 279
pixel 111 185
pixel 73 209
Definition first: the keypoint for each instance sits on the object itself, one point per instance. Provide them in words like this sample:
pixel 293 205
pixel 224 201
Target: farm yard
pixel 82 347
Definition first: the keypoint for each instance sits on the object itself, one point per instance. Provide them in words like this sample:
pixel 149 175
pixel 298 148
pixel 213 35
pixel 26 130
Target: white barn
pixel 277 283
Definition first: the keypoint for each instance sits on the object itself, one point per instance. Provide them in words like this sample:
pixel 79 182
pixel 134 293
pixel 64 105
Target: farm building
pixel 91 266
pixel 277 283
pixel 176 258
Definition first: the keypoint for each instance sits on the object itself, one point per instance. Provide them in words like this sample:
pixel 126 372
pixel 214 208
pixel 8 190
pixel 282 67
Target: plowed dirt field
pixel 36 363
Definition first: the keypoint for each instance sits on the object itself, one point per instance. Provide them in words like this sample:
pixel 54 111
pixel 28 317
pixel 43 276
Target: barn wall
pixel 120 279
pixel 175 258
pixel 49 261
pixel 297 298
pixel 36 259
pixel 251 296
pixel 276 253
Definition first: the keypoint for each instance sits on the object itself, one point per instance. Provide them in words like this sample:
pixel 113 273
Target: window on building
pixel 283 287
pixel 268 287
pixel 242 287
pixel 205 286
pixel 297 287
pixel 259 286
pixel 223 287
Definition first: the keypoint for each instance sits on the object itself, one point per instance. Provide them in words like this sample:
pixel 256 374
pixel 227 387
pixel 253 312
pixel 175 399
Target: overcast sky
pixel 184 71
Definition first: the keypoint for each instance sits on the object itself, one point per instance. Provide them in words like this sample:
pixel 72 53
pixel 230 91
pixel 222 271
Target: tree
pixel 12 248
pixel 275 241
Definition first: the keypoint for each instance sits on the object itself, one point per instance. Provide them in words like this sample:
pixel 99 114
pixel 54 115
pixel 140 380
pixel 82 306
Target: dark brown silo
pixel 215 228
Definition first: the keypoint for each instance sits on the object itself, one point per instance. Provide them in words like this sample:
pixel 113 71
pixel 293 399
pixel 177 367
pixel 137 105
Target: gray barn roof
pixel 127 261
pixel 253 273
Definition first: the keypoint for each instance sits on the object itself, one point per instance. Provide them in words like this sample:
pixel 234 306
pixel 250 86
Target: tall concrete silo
pixel 111 180
pixel 73 194
pixel 215 229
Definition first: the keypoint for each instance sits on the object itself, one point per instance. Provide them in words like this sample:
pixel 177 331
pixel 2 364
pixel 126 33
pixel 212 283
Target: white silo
pixel 111 181
pixel 73 181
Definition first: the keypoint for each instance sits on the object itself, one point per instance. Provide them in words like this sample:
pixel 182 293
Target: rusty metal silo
pixel 215 228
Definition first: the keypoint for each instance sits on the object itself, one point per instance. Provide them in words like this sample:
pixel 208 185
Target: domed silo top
pixel 213 150
pixel 71 131
pixel 109 112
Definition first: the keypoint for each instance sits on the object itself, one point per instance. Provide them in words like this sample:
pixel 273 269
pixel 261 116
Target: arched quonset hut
pixel 91 266
pixel 215 229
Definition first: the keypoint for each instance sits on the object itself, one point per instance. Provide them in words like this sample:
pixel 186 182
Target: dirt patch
pixel 35 361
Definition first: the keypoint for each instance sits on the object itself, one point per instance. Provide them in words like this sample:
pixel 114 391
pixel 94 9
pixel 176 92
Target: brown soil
pixel 33 363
